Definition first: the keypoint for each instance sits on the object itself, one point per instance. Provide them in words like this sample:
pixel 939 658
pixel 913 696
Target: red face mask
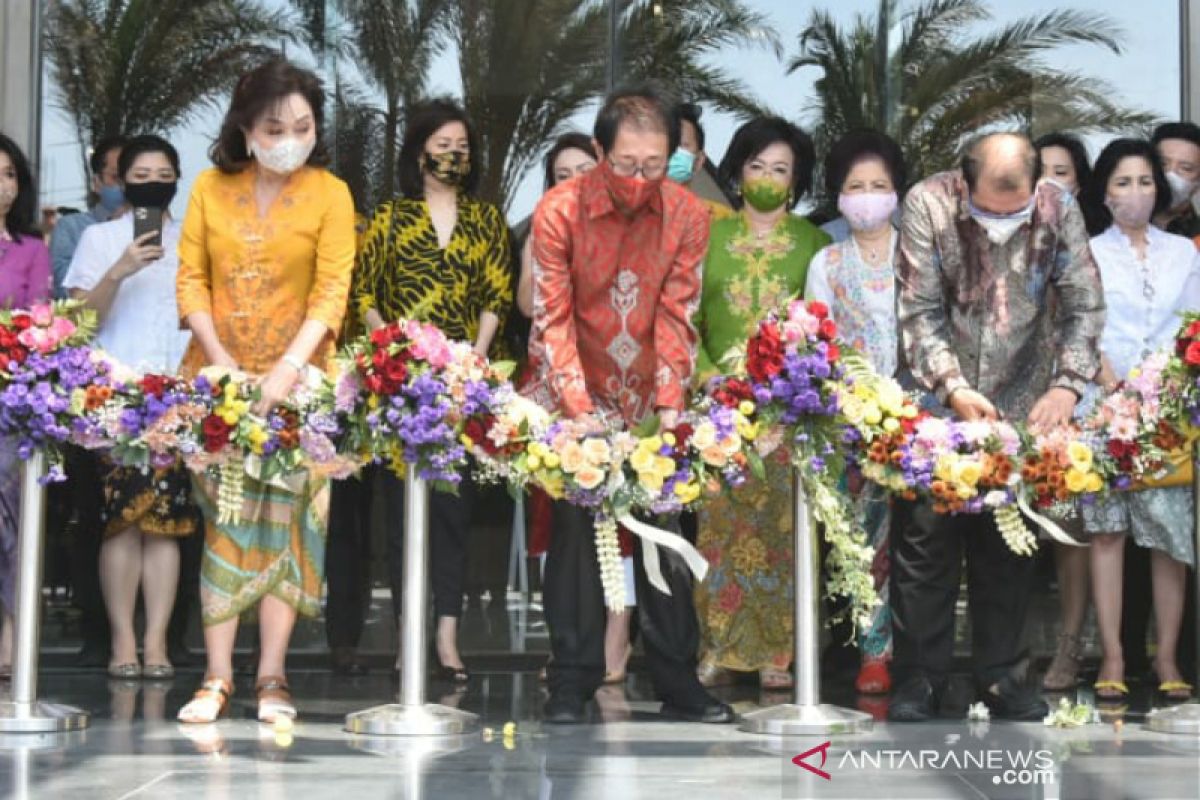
pixel 629 194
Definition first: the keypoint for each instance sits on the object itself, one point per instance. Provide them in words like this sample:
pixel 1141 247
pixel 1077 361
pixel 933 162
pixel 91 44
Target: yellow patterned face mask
pixel 450 168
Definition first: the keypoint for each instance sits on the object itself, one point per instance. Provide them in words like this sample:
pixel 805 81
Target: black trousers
pixel 348 559
pixel 927 554
pixel 576 615
pixel 449 531
pixel 73 510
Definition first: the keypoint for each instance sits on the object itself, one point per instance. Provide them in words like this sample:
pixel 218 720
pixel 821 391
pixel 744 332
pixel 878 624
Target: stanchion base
pixel 400 720
pixel 794 720
pixel 1176 719
pixel 40 717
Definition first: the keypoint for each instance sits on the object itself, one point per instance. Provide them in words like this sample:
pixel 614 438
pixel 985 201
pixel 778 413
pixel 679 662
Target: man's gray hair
pixel 1009 177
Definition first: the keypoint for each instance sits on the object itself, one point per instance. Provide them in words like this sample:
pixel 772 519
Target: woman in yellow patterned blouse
pixel 265 259
pixel 437 254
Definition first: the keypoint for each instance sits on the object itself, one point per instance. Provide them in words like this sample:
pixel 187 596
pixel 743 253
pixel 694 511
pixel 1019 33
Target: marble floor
pixel 134 749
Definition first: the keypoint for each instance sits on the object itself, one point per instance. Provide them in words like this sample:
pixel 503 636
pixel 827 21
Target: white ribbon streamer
pixel 1048 525
pixel 652 537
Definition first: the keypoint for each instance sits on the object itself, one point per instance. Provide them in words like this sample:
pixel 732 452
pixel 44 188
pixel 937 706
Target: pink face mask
pixel 1132 210
pixel 867 211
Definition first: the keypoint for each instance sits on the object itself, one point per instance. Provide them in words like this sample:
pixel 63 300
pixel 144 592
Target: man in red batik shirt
pixel 617 255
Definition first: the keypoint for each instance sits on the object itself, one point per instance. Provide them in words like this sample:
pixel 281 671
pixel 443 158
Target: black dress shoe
pixel 914 701
pixel 1014 700
pixel 564 708
pixel 715 712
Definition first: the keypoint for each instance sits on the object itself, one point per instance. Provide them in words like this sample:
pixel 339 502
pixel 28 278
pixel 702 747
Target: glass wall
pixel 528 71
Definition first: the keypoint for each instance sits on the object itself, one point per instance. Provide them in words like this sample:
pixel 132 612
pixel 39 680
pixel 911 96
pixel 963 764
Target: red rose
pixel 832 353
pixel 380 337
pixel 818 309
pixel 764 354
pixel 683 434
pixel 828 329
pixel 374 384
pixel 395 371
pixel 379 358
pixel 740 389
pixel 22 322
pixel 18 354
pixel 154 385
pixel 1192 354
pixel 216 433
pixel 3 362
pixel 475 431
pixel 7 338
pixel 1193 330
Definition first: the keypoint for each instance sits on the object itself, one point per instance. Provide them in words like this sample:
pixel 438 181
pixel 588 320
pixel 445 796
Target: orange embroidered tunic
pixel 614 298
pixel 262 277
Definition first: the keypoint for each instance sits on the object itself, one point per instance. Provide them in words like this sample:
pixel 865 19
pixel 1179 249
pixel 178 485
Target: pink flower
pixel 1123 428
pixel 799 314
pixel 42 313
pixel 40 339
pixel 62 328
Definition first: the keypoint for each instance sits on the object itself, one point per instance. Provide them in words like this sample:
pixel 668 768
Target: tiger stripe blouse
pixel 403 273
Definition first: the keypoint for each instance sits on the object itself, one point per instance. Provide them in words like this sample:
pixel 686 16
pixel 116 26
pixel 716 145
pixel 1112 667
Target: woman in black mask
pixel 131 285
pixel 438 255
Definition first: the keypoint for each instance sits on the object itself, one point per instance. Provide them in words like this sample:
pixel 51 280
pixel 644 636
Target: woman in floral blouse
pixel 757 261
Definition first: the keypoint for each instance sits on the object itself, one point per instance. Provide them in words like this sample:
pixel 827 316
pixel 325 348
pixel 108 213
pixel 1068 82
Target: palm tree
pixel 396 42
pixel 528 66
pixel 148 66
pixel 930 86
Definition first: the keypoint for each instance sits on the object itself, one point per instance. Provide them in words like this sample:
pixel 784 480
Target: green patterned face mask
pixel 765 194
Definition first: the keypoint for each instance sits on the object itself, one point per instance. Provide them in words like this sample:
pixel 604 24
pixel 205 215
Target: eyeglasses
pixel 627 169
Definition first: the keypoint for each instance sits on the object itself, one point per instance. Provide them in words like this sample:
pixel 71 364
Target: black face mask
pixel 152 194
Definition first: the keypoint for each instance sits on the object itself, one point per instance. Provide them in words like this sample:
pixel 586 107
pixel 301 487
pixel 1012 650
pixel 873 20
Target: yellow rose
pixel 946 466
pixel 571 457
pixel 654 443
pixel 747 430
pixel 651 481
pixel 871 414
pixel 1077 481
pixel 1094 482
pixel 968 472
pixel 533 463
pixel 230 418
pixel 1080 456
pixel 466 441
pixel 891 396
pixel 964 492
pixel 642 460
pixel 891 425
pixel 746 408
pixel 909 412
pixel 538 449
pixel 687 492
pixel 589 477
pixel 230 391
pixel 664 466
pixel 669 439
pixel 597 452
pixel 551 460
pixel 852 409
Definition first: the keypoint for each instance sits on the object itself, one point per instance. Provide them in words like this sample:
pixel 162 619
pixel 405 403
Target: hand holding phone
pixel 146 220
pixel 140 253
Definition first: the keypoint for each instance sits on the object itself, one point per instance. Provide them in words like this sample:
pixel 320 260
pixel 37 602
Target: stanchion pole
pixel 412 716
pixel 24 713
pixel 806 715
pixel 1185 718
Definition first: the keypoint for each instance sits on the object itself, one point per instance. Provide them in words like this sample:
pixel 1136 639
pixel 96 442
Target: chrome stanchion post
pixel 412 716
pixel 24 713
pixel 1185 718
pixel 806 715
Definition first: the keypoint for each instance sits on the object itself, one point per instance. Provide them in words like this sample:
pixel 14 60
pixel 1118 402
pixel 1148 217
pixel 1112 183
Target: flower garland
pixel 406 395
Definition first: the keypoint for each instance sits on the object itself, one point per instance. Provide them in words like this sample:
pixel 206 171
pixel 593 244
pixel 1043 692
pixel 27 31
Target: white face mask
pixel 1182 189
pixel 1001 227
pixel 285 157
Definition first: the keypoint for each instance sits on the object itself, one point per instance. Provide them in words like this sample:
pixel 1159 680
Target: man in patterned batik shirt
pixel 980 250
pixel 617 255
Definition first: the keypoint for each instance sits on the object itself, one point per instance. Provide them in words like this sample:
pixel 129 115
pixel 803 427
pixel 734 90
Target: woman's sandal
pixel 873 677
pixel 1063 672
pixel 1111 690
pixel 210 702
pixel 274 699
pixel 1176 690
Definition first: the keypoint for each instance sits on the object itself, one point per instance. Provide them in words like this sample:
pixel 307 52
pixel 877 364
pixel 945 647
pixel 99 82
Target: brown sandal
pixel 210 702
pixel 274 699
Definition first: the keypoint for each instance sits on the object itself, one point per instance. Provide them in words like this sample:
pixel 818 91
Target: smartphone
pixel 146 220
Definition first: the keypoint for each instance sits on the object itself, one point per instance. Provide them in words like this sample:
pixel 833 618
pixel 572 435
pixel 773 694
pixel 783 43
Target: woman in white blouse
pixel 1149 277
pixel 131 285
pixel 855 278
